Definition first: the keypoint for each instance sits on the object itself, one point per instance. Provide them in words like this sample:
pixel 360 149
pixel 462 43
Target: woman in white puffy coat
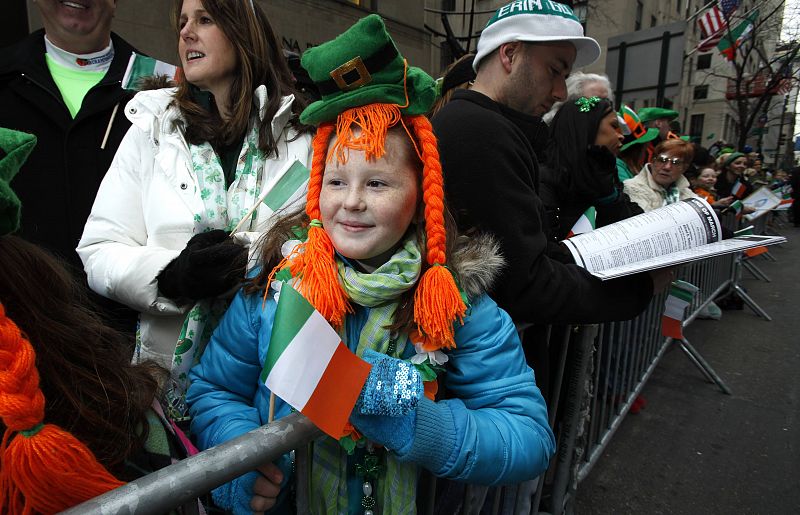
pixel 194 163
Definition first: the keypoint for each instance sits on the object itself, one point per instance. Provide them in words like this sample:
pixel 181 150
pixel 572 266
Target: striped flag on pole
pixel 140 66
pixel 732 40
pixel 586 223
pixel 309 367
pixel 713 24
pixel 738 189
pixel 680 296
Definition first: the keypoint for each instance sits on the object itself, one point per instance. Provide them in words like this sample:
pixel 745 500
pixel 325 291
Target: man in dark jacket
pixel 63 84
pixel 488 139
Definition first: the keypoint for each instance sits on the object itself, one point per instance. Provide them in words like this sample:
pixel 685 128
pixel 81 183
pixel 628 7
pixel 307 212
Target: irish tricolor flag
pixel 309 367
pixel 738 189
pixel 586 223
pixel 680 296
pixel 140 66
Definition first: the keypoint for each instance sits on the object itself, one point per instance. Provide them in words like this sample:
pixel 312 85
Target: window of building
pixel 696 127
pixel 678 7
pixel 581 9
pixel 639 13
pixel 652 21
pixel 700 92
pixel 704 61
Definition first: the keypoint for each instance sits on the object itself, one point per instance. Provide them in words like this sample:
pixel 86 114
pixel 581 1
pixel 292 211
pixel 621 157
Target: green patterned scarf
pixel 671 195
pixel 396 486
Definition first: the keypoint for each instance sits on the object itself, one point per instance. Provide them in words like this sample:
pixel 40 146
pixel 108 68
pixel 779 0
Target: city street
pixel 695 450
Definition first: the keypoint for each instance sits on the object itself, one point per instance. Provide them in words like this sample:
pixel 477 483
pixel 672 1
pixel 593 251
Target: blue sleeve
pixel 494 429
pixel 223 387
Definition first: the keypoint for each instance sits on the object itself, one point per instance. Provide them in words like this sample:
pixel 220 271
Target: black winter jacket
pixel 488 154
pixel 59 181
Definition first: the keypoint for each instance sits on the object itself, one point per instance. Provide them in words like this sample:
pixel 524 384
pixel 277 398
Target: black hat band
pixel 357 71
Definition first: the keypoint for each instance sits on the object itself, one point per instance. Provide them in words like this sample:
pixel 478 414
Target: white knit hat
pixel 536 20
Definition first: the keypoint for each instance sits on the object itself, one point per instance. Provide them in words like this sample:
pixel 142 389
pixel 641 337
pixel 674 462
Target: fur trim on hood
pixel 476 263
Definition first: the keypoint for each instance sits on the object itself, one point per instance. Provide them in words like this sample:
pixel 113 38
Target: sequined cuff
pixel 392 388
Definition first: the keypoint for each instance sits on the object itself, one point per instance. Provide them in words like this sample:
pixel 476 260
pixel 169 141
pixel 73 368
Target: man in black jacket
pixel 489 136
pixel 63 84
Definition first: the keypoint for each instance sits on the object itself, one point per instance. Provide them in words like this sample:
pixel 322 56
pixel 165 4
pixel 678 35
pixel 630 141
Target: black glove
pixel 598 180
pixel 210 265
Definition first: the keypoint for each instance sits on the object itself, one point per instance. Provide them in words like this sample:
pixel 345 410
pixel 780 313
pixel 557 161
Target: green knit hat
pixel 730 158
pixel 363 66
pixel 647 114
pixel 14 150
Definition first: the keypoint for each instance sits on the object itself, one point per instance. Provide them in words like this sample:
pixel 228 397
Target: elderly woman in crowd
pixel 661 182
pixel 581 84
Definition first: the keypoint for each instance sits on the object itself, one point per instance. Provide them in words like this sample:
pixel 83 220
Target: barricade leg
pixel 750 302
pixel 757 272
pixel 703 365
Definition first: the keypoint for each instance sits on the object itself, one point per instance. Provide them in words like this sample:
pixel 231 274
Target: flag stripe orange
pixel 336 393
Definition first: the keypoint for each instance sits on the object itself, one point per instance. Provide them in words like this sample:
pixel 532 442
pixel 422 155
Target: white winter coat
pixel 646 192
pixel 143 214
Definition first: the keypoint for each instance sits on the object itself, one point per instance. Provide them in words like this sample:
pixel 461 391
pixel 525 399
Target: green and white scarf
pixel 671 195
pixel 396 486
pixel 223 208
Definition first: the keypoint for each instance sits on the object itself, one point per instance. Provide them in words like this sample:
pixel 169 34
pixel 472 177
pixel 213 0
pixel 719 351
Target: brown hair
pixel 283 229
pixel 259 61
pixel 678 147
pixel 91 388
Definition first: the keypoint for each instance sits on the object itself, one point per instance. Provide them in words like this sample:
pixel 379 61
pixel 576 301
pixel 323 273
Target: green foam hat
pixel 647 114
pixel 14 150
pixel 363 66
pixel 636 133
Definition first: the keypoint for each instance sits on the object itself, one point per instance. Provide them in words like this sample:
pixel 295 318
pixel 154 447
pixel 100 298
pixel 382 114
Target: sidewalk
pixel 695 450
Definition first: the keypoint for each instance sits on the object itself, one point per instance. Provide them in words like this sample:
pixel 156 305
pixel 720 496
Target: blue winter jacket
pixel 492 428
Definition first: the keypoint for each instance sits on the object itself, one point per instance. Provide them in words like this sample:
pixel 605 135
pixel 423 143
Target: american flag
pixel 712 22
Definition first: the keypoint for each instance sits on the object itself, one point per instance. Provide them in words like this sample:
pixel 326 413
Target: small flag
pixel 736 206
pixel 140 66
pixel 586 223
pixel 309 367
pixel 785 203
pixel 738 189
pixel 731 40
pixel 680 296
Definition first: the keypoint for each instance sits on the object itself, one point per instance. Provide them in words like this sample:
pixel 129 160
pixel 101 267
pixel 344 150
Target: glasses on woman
pixel 663 158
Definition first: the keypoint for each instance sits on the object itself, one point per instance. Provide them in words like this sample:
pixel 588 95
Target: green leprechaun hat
pixel 636 132
pixel 648 114
pixel 363 66
pixel 14 150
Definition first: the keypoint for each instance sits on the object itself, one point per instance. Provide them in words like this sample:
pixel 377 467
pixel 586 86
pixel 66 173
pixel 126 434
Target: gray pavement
pixel 693 449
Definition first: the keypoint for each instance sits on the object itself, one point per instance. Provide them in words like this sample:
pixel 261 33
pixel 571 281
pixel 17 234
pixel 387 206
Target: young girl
pixel 379 263
pixel 703 185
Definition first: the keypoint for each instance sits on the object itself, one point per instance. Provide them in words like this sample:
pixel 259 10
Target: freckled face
pixel 367 206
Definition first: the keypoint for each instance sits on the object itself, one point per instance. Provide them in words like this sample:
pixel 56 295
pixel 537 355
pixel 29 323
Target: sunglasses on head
pixel 663 158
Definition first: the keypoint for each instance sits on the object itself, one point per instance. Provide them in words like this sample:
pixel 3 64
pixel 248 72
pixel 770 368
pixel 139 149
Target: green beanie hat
pixel 730 158
pixel 647 114
pixel 14 150
pixel 363 66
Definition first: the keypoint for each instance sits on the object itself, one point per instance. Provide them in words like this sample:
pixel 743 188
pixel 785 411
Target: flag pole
pixel 271 408
pixel 252 210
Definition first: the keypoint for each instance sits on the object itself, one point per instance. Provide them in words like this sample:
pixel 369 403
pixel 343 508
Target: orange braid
pixel 44 468
pixel 437 301
pixel 315 264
